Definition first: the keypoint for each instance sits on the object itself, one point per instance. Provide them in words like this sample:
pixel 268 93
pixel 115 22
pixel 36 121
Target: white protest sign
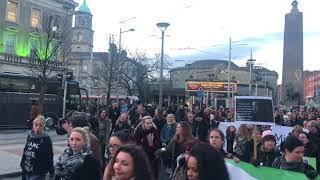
pixel 280 132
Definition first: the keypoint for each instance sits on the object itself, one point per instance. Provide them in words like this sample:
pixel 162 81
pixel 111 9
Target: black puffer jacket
pixel 266 158
pixel 302 167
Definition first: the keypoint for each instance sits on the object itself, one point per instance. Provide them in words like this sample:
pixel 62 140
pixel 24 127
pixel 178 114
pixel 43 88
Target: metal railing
pixel 11 58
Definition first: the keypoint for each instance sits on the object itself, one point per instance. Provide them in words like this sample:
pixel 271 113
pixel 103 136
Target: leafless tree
pixel 105 74
pixel 49 52
pixel 135 73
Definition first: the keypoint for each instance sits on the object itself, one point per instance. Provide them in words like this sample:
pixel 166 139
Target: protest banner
pixel 280 132
pixel 246 171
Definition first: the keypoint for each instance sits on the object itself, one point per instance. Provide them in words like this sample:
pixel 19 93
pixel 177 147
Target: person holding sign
pixel 267 153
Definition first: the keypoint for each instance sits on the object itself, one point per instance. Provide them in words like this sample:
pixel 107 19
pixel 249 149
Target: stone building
pixel 264 81
pixel 83 60
pixel 292 70
pixel 19 21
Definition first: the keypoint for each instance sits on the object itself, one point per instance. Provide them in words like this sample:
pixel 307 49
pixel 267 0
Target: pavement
pixel 11 149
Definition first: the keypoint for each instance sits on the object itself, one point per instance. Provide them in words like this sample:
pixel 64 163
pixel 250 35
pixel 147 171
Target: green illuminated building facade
pixel 19 20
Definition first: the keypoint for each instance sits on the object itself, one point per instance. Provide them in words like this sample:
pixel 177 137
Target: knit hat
pixel 286 117
pixel 268 135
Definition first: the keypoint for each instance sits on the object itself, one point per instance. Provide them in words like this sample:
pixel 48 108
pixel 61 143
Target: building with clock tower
pixel 82 40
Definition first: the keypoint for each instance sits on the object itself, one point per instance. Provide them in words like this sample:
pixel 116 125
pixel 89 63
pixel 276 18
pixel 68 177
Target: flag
pixel 245 171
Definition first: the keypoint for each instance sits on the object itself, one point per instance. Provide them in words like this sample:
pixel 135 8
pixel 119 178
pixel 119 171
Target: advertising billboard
pixel 217 87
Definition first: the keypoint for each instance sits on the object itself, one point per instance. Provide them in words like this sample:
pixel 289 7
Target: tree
pixel 49 51
pixel 105 74
pixel 136 72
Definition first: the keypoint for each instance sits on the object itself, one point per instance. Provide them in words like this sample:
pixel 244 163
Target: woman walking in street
pixel 37 158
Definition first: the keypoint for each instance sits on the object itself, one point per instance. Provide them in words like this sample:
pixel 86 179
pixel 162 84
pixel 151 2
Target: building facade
pixel 312 87
pixel 292 70
pixel 19 22
pixel 216 72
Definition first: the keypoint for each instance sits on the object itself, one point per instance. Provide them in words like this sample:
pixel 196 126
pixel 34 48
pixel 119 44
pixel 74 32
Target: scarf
pixel 31 134
pixel 170 123
pixel 292 166
pixel 68 162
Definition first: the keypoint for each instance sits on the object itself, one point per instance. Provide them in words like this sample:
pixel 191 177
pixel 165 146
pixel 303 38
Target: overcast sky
pixel 200 29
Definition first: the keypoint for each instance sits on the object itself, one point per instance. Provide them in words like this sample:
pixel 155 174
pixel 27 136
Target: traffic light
pixel 69 75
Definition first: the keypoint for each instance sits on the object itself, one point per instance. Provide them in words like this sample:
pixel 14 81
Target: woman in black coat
pixel 310 149
pixel 37 159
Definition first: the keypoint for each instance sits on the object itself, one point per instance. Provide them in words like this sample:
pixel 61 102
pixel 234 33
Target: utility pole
pixel 229 63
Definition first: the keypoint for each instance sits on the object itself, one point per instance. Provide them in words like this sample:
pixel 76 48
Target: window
pixel 10 43
pixel 85 67
pixel 33 47
pixel 12 10
pixel 35 18
pixel 57 21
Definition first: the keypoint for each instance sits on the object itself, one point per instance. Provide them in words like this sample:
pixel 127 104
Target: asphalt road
pixel 16 139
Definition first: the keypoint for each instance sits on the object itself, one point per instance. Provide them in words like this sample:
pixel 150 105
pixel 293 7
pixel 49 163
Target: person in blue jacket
pixel 168 130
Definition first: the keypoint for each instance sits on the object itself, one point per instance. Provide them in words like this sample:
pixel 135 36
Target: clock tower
pixel 82 40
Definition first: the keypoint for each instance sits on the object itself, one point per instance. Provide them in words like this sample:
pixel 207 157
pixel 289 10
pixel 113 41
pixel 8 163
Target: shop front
pixel 213 94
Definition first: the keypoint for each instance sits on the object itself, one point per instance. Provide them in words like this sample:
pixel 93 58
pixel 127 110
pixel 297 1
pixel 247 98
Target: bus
pixel 19 93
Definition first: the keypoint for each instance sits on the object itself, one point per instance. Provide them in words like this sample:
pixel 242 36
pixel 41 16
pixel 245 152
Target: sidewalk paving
pixel 10 158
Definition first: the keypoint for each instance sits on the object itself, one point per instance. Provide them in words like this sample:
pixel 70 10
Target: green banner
pixel 262 173
pixel 311 161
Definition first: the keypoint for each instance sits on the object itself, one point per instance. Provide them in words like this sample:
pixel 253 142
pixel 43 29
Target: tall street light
pixel 251 63
pixel 162 26
pixel 120 33
pixel 229 64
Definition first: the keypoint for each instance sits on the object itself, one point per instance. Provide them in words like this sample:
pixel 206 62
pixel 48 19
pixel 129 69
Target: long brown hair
pixel 244 132
pixel 185 135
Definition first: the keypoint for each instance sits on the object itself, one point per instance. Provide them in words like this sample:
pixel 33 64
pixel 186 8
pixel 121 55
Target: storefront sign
pixel 221 87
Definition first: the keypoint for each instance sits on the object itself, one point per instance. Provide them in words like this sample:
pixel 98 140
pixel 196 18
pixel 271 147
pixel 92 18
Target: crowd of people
pixel 179 143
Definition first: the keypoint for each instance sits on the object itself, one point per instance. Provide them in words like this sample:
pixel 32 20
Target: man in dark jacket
pixel 114 113
pixel 201 129
pixel 292 160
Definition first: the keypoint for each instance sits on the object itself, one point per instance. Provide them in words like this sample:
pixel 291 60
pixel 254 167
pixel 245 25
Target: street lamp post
pixel 265 82
pixel 121 32
pixel 251 63
pixel 119 56
pixel 229 65
pixel 162 26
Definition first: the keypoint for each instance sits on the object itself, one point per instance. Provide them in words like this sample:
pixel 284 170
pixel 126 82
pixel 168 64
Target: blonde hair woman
pixel 77 162
pixel 37 159
pixel 122 123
